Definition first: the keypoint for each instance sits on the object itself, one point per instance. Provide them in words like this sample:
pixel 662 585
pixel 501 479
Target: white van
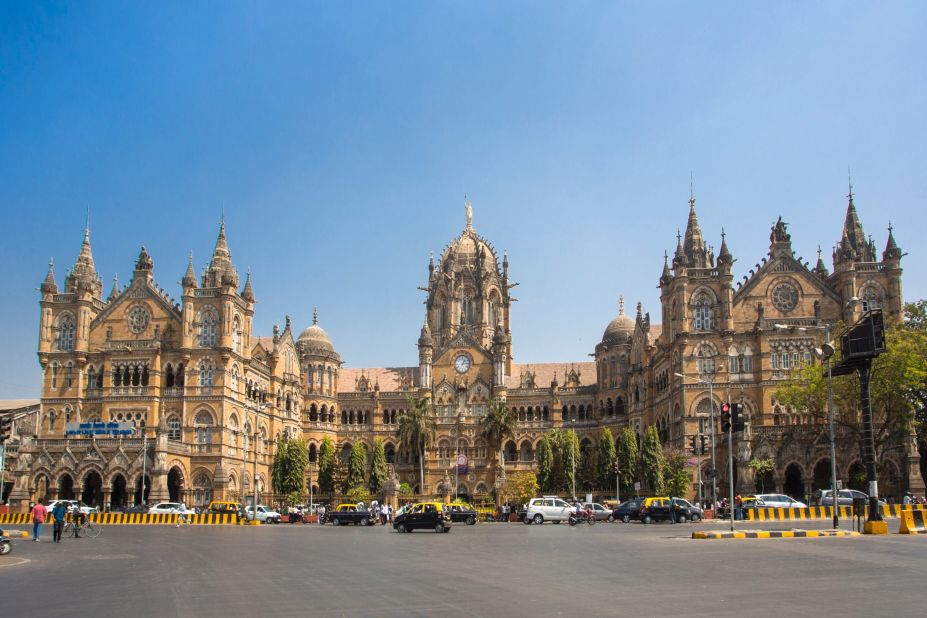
pixel 548 508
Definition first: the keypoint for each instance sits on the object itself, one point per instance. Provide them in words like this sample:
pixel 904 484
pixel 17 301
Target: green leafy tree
pixel 358 494
pixel 897 389
pixel 497 426
pixel 326 476
pixel 357 466
pixel 378 468
pixel 416 431
pixel 522 486
pixel 676 478
pixel 653 462
pixel 563 459
pixel 545 461
pixel 605 462
pixel 405 489
pixel 587 474
pixel 916 324
pixel 761 467
pixel 288 473
pixel 627 454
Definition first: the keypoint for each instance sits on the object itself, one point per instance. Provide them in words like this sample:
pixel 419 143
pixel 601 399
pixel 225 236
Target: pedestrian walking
pixel 60 512
pixel 38 519
pixel 182 514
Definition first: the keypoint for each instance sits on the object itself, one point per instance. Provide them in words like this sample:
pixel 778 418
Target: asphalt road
pixel 483 570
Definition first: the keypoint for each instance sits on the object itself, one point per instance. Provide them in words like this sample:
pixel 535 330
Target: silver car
pixel 781 501
pixel 548 508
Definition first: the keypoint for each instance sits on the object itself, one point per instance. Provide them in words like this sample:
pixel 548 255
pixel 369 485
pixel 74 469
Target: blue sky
pixel 340 138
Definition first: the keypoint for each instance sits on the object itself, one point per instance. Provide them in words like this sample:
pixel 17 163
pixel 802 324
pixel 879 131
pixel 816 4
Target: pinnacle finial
pixel 315 315
pixel 850 184
pixel 691 190
pixel 621 305
pixel 469 208
pixel 819 246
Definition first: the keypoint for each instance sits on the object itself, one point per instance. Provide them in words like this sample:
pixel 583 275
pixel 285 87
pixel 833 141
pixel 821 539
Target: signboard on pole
pixel 99 429
pixel 462 464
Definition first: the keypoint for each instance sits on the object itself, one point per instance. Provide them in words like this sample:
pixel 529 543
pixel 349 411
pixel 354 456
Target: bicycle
pixel 86 528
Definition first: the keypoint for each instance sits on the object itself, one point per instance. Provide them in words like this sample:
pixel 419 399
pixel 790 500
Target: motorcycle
pixel 5 545
pixel 582 516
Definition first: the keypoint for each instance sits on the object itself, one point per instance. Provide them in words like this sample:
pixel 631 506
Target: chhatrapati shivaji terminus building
pixel 209 391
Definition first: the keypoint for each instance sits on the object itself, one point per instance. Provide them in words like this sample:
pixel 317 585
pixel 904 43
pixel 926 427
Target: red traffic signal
pixel 725 416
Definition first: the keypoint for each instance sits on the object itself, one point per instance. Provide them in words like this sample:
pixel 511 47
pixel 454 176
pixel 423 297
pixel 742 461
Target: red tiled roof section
pixel 544 373
pixel 389 378
pixel 266 342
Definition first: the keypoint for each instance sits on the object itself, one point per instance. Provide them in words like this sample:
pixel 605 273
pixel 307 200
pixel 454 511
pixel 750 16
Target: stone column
pixel 391 488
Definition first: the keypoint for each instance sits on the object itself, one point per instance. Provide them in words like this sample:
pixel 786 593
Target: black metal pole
pixel 875 513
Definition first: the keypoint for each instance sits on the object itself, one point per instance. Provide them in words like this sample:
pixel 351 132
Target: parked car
pixel 627 510
pixel 424 515
pixel 135 508
pixel 169 508
pixel 548 508
pixel 825 497
pixel 779 501
pixel 462 513
pixel 663 509
pixel 224 507
pixel 356 514
pixel 599 512
pixel 265 514
pixel 69 504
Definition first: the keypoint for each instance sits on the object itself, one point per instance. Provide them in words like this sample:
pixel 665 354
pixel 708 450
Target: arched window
pixel 236 334
pixel 702 311
pixel 202 489
pixel 173 428
pixel 203 423
pixel 468 309
pixel 705 360
pixel 207 328
pixel 234 381
pixel 168 376
pixel 206 369
pixel 54 375
pixel 66 332
pixel 51 420
pixel 870 296
pixel 69 375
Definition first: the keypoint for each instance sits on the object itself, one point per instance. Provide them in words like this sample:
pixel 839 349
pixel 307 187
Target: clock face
pixel 784 297
pixel 138 319
pixel 462 363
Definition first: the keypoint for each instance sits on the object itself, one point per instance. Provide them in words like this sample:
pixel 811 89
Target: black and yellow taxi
pixel 461 513
pixel 224 507
pixel 350 513
pixel 424 516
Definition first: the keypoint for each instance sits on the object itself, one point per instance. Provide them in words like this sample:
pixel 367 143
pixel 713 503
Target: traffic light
pixel 693 445
pixel 6 427
pixel 737 417
pixel 725 417
pixel 704 439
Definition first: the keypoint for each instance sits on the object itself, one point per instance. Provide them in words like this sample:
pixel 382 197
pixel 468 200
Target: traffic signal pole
pixel 730 469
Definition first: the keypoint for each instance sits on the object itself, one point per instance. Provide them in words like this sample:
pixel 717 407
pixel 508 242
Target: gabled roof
pixel 783 264
pixel 140 288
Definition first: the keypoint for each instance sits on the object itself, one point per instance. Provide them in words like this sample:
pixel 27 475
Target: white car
pixel 69 504
pixel 169 508
pixel 265 514
pixel 780 501
pixel 548 508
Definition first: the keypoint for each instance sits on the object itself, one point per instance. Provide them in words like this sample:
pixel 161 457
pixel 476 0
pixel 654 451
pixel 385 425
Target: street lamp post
pixel 573 452
pixel 711 418
pixel 254 443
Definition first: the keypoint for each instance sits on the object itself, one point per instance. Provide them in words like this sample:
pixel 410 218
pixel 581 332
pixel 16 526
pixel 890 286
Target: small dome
pixel 621 328
pixel 315 338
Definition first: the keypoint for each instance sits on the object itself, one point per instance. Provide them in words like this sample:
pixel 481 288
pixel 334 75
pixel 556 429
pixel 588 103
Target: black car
pixel 627 510
pixel 426 516
pixel 356 514
pixel 668 509
pixel 461 514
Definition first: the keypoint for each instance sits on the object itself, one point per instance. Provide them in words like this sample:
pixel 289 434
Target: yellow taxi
pixel 423 515
pixel 224 506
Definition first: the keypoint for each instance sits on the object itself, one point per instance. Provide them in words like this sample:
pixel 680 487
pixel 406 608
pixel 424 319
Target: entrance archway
pixel 793 485
pixel 119 497
pixel 175 485
pixel 890 482
pixel 138 490
pixel 66 487
pixel 92 494
pixel 39 490
pixel 821 475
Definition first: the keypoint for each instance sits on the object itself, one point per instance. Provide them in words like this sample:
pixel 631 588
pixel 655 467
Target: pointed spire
pixel 694 246
pixel 820 268
pixel 248 293
pixel 49 286
pixel 724 256
pixel 853 243
pixel 315 315
pixel 222 246
pixel 425 339
pixel 639 311
pixel 83 276
pixel 666 276
pixel 189 277
pixel 115 291
pixel 892 250
pixel 680 253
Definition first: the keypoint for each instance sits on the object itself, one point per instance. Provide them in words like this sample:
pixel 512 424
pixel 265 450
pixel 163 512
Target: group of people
pixel 59 516
pixel 910 498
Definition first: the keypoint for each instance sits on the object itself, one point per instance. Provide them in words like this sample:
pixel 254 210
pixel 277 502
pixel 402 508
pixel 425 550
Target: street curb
pixel 773 534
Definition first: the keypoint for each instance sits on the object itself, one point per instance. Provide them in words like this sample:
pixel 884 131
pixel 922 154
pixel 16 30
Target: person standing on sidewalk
pixel 38 519
pixel 60 512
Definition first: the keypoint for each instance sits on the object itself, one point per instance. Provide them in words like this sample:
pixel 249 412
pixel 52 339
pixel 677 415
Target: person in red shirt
pixel 38 519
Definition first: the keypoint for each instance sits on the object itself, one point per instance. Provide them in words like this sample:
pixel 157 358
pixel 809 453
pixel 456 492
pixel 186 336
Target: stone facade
pixel 207 392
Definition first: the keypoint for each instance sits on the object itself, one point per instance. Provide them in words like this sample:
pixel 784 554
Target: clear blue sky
pixel 339 138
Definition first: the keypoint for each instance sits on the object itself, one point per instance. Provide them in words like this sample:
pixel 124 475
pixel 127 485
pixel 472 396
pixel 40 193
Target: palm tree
pixel 497 425
pixel 416 431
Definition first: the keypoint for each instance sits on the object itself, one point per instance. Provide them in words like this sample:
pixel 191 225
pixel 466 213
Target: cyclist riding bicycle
pixel 78 517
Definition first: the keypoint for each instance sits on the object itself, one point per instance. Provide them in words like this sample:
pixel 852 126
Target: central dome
pixel 314 337
pixel 466 248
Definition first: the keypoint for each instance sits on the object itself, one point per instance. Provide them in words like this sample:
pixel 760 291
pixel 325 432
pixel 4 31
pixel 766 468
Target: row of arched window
pixel 130 374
